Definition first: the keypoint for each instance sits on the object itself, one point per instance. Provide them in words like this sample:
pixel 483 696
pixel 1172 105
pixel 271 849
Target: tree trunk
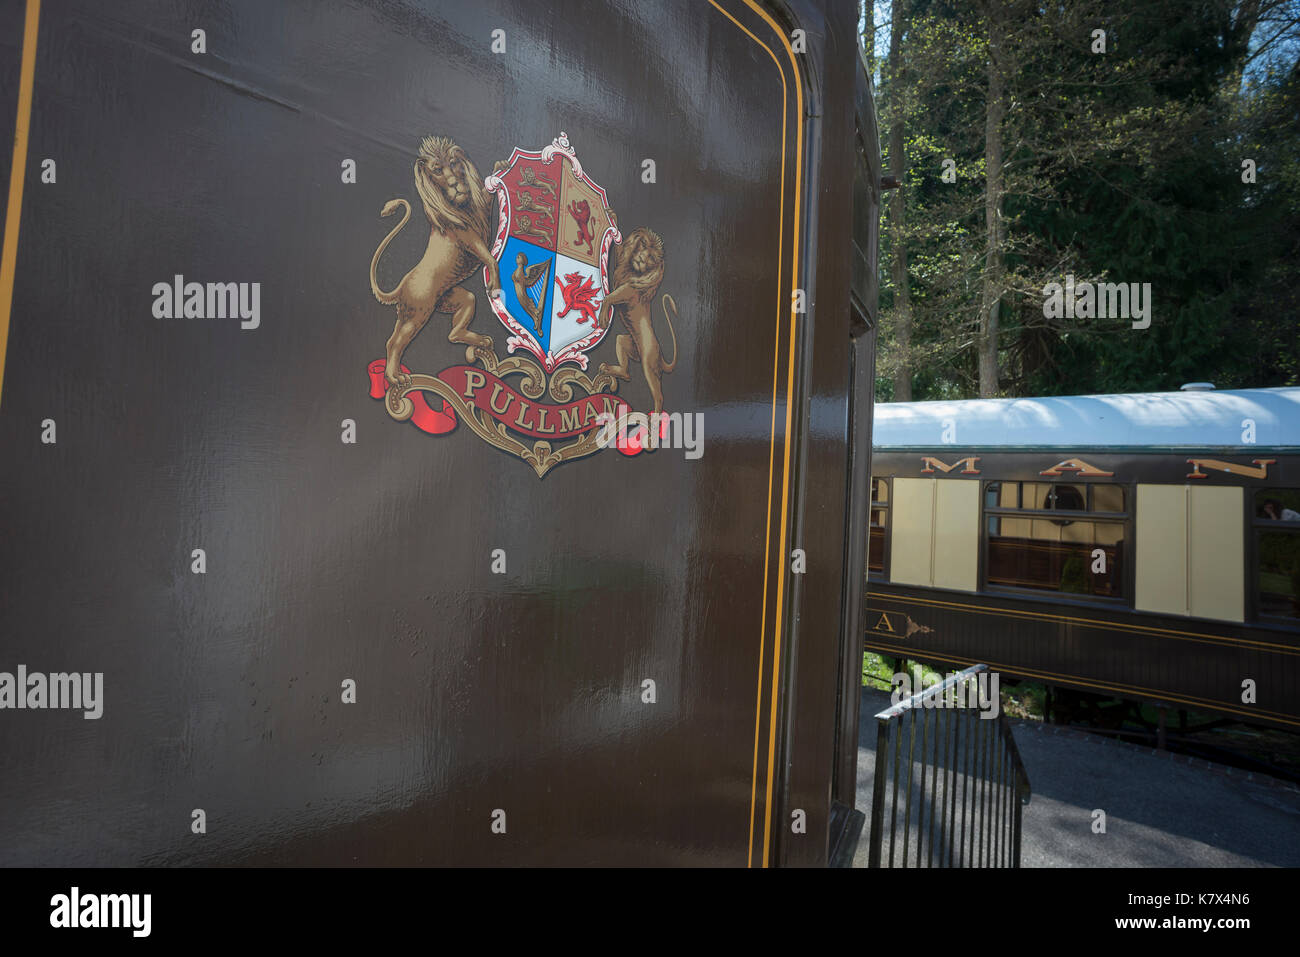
pixel 867 36
pixel 902 311
pixel 994 267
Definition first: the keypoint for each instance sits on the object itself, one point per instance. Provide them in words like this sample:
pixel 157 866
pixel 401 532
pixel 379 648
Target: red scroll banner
pixel 481 389
pixel 425 418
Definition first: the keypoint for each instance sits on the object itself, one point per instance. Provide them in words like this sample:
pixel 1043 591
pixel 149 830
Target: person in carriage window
pixel 1274 509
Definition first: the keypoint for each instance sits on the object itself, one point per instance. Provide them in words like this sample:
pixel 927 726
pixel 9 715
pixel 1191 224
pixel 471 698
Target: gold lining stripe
pixel 1091 622
pixel 789 413
pixel 17 176
pixel 771 459
pixel 785 488
pixel 767 540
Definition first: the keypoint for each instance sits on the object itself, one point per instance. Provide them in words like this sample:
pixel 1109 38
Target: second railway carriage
pixel 1145 547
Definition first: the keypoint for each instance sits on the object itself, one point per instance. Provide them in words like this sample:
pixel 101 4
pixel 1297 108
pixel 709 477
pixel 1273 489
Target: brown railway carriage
pixel 305 362
pixel 1145 547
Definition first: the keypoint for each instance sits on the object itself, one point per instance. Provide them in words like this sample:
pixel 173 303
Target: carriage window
pixel 1068 498
pixel 1277 548
pixel 1006 494
pixel 879 526
pixel 1107 498
pixel 1031 543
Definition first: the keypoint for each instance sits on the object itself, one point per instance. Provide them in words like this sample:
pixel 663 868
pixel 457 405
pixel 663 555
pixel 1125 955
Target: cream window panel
pixel 956 535
pixel 935 539
pixel 1191 551
pixel 910 538
pixel 1216 559
pixel 1160 568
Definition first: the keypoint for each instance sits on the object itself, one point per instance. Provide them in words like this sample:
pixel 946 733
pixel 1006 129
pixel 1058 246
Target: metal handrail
pixel 975 767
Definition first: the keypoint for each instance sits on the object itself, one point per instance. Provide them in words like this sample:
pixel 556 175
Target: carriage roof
pixel 1191 419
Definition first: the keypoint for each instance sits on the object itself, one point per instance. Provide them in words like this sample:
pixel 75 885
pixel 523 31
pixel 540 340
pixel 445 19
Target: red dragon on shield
pixel 580 294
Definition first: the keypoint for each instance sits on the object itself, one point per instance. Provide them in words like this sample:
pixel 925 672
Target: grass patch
pixel 1024 700
pixel 878 671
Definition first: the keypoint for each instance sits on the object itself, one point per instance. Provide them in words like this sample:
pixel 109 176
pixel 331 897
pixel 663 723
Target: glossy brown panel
pixel 499 624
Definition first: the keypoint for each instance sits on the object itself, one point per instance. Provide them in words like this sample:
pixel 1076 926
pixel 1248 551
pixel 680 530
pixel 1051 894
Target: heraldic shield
pixel 551 248
pixel 554 232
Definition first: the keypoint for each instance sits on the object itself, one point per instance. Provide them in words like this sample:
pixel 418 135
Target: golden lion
pixel 637 275
pixel 458 209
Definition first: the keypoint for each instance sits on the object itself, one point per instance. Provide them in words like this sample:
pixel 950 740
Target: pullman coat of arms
pixel 556 270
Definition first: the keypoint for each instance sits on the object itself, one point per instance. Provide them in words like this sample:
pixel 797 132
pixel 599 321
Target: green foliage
pixel 1118 167
pixel 1074 578
pixel 876 672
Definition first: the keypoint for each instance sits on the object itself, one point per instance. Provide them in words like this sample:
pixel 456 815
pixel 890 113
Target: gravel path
pixel 1161 810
